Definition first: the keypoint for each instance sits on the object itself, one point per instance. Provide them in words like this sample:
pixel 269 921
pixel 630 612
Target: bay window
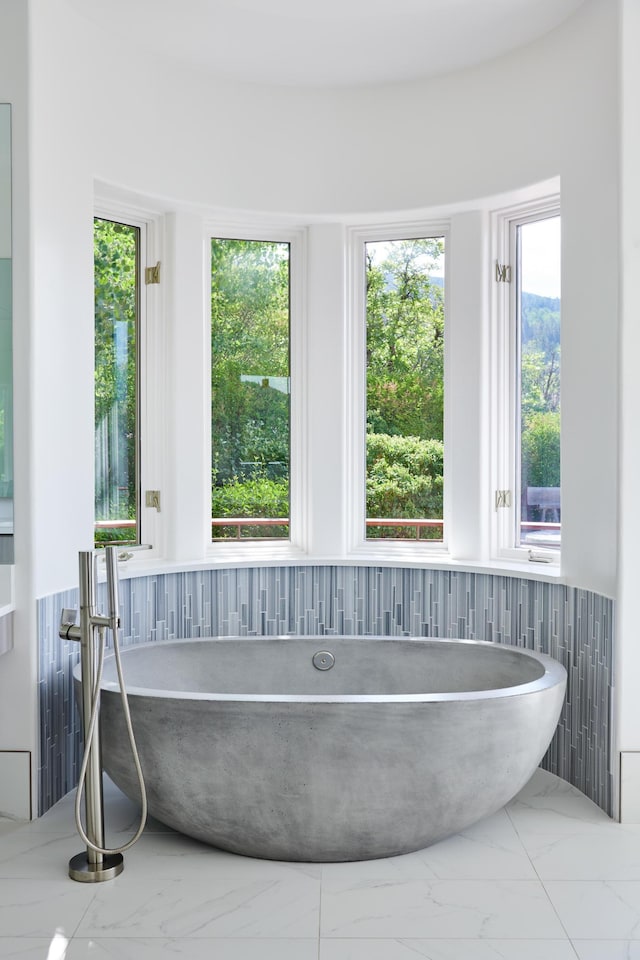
pixel 380 322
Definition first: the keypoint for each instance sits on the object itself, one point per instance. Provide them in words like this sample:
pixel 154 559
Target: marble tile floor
pixel 550 877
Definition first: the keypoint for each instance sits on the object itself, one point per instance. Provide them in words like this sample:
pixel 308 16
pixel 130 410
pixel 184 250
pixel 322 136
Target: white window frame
pixel 358 544
pixel 504 380
pixel 297 543
pixel 151 352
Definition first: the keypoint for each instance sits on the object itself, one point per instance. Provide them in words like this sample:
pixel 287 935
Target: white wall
pixel 62 289
pixel 628 650
pixel 45 74
pixel 508 123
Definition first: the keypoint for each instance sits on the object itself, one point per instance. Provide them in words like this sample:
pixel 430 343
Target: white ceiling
pixel 326 43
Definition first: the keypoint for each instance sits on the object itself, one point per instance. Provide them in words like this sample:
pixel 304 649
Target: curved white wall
pixel 514 121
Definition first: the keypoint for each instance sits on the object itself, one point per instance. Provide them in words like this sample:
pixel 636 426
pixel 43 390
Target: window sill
pixel 253 554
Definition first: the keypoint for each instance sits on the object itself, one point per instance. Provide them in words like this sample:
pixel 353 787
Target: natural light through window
pixel 538 423
pixel 117 299
pixel 405 388
pixel 250 389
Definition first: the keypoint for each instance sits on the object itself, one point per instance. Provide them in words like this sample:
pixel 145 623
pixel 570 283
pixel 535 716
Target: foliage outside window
pixel 116 280
pixel 538 427
pixel 405 388
pixel 250 387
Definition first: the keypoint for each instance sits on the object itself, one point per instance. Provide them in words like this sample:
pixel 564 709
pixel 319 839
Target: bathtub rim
pixel 553 675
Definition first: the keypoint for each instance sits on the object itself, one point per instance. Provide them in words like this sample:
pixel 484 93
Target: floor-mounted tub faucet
pixel 97 863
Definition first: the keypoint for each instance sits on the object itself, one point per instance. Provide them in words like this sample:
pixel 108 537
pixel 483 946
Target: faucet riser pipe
pixel 88 659
pixel 97 863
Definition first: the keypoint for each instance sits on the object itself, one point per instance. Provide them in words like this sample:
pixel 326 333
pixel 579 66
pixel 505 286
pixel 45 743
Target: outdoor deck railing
pixel 239 522
pixel 417 526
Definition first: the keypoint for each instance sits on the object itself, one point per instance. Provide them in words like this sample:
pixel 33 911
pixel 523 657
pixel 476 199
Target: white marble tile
pixel 607 949
pixel 58 818
pixel 446 950
pixel 410 866
pixel 175 857
pixel 488 909
pixel 163 855
pixel 8 826
pixel 24 948
pixel 596 910
pixel 490 849
pixel 191 949
pixel 24 854
pixel 37 908
pixel 584 851
pixel 220 907
pixel 121 815
pixel 557 799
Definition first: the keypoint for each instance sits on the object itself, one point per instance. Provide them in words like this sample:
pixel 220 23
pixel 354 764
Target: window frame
pixel 505 381
pixel 150 356
pixel 357 238
pixel 299 508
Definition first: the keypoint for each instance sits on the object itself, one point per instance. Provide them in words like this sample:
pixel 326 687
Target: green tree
pixel 405 339
pixel 249 373
pixel 540 383
pixel 116 300
pixel 539 397
pixel 405 383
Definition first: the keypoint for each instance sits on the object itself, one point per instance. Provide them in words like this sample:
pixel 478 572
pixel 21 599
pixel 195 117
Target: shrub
pixel 404 477
pixel 541 450
pixel 257 497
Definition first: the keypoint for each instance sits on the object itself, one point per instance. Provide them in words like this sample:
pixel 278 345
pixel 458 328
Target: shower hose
pixel 95 705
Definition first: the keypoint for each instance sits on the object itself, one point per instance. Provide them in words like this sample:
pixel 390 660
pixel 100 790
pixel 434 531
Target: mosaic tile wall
pixel 574 626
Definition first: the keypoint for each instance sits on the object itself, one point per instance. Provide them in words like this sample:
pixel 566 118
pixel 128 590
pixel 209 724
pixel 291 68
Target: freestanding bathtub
pixel 268 748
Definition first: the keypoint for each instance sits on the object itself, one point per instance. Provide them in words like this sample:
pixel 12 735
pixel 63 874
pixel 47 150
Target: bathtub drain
pixel 323 660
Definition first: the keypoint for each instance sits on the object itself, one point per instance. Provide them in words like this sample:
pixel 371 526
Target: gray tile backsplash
pixel 574 626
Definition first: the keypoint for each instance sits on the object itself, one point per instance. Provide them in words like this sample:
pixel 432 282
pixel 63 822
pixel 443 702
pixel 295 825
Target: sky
pixel 540 257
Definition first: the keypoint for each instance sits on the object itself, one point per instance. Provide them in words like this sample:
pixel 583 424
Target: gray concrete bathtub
pixel 247 746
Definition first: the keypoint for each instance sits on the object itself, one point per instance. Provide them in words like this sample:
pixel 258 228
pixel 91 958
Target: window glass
pixel 250 387
pixel 405 388
pixel 538 444
pixel 117 297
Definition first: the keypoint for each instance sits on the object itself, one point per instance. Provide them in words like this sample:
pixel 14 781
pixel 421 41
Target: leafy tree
pixel 405 339
pixel 250 379
pixel 405 382
pixel 115 282
pixel 540 383
pixel 250 357
pixel 540 396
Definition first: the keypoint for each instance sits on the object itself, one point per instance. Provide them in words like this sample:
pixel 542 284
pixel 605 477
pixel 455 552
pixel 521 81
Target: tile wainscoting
pixel 572 625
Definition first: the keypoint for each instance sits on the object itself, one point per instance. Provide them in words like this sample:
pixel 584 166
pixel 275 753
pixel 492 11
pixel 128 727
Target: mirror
pixel 6 352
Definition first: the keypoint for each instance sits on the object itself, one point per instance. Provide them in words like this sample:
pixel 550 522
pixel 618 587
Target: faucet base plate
pixel 81 869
